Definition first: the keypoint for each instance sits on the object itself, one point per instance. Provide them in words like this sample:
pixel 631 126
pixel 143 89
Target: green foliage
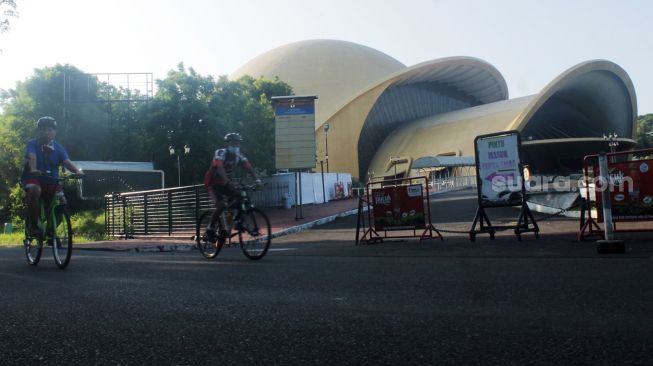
pixel 645 131
pixel 16 204
pixel 188 109
pixel 7 11
pixel 88 224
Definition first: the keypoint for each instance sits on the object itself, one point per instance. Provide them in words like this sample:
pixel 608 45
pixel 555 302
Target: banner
pixel 630 190
pixel 399 207
pixel 499 175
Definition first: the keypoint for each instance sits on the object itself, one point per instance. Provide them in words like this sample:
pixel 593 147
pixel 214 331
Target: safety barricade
pixel 630 190
pixel 396 208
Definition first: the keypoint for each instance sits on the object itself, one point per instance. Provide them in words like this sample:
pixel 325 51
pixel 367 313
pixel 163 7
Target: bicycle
pixel 239 218
pixel 55 228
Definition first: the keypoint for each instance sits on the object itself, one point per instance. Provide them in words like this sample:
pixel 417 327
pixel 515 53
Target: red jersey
pixel 227 160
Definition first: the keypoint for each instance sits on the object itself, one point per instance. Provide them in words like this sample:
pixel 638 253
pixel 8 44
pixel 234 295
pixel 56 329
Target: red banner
pixel 399 207
pixel 631 191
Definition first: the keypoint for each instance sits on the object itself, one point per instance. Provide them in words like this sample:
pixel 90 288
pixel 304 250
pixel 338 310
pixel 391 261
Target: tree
pixel 7 11
pixel 188 109
pixel 42 95
pixel 645 131
pixel 191 109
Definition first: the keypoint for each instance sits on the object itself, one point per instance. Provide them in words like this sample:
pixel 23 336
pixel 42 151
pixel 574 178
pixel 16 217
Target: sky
pixel 530 42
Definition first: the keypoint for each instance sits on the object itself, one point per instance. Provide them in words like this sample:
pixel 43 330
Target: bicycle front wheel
pixel 207 241
pixel 33 247
pixel 254 233
pixel 62 238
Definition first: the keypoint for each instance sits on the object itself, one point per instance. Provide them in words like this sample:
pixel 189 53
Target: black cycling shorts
pixel 219 192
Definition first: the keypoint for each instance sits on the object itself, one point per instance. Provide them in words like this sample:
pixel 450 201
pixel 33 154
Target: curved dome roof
pixel 598 92
pixel 564 122
pixel 335 71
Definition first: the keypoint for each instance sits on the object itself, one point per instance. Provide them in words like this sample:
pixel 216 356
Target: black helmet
pixel 232 137
pixel 46 121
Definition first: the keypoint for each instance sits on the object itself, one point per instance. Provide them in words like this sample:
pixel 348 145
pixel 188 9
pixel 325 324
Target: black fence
pixel 171 212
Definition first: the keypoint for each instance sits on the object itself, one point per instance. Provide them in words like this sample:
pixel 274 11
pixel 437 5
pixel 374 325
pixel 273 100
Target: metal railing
pixel 170 212
pixel 444 184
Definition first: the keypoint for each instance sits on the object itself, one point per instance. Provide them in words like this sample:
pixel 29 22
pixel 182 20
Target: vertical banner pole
pixel 605 196
pixel 323 191
pixel 609 245
pixel 301 196
pixel 296 197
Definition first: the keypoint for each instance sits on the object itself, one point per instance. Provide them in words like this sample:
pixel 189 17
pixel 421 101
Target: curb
pixel 311 224
pixel 190 247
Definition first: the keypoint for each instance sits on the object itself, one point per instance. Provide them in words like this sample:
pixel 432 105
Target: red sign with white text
pixel 399 207
pixel 631 191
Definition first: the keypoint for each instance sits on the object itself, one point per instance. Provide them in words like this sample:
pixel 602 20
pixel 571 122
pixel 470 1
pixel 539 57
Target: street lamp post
pixel 611 138
pixel 172 151
pixel 326 145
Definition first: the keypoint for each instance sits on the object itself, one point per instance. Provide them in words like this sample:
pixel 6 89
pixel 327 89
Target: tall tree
pixel 645 131
pixel 188 109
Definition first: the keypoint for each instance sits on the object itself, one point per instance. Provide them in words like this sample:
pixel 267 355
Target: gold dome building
pixel 383 116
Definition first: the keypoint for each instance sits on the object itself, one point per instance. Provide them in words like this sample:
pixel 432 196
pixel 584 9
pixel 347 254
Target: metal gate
pixel 170 212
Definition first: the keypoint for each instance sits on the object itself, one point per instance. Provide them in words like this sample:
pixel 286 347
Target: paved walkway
pixel 283 222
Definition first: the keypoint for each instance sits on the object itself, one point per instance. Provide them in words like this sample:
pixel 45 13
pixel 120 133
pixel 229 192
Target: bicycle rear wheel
pixel 207 242
pixel 62 238
pixel 33 247
pixel 255 233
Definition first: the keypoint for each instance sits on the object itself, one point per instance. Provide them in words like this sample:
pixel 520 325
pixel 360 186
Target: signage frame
pixel 526 222
pixel 294 132
pixel 589 225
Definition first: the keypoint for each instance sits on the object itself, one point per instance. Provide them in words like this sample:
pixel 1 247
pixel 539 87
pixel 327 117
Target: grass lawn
pixel 16 239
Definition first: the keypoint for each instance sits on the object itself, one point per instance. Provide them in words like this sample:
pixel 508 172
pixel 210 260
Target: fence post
pixel 197 204
pixel 124 217
pixel 113 214
pixel 169 213
pixel 145 213
pixel 106 215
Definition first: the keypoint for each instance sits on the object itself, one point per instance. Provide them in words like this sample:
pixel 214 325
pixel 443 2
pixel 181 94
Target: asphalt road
pixel 318 299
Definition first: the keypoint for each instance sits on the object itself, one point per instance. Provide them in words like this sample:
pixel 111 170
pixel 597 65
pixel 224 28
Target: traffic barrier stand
pixel 630 191
pixel 395 206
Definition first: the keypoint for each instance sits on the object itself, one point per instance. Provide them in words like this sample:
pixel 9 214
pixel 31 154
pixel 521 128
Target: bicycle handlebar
pixel 248 187
pixel 63 177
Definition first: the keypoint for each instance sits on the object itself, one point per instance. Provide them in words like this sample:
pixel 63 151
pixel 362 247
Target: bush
pixel 89 224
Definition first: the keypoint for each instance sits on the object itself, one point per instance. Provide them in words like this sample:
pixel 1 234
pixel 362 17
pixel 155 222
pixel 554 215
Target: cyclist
pixel 43 154
pixel 218 179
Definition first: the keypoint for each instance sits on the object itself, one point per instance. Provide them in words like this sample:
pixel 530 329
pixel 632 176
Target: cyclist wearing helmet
pixel 218 178
pixel 43 154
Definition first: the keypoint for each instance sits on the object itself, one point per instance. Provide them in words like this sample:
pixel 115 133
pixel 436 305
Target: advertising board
pixel 294 132
pixel 399 207
pixel 498 169
pixel 630 189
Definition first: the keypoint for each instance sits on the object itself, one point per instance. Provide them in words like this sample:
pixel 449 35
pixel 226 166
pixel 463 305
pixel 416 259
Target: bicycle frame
pixel 236 205
pixel 48 221
pixel 51 217
pixel 238 218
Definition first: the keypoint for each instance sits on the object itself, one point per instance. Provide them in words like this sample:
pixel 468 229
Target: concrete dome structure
pixel 379 110
pixel 335 71
pixel 559 125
